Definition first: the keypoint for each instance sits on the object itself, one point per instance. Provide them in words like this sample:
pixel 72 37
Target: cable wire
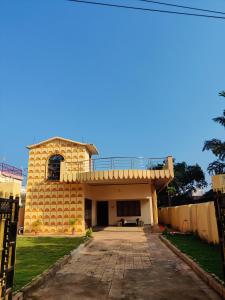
pixel 182 6
pixel 147 9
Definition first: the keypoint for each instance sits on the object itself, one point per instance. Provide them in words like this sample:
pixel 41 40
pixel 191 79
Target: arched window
pixel 54 167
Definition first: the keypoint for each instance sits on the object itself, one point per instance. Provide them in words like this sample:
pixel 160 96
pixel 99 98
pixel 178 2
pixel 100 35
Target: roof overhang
pixel 90 147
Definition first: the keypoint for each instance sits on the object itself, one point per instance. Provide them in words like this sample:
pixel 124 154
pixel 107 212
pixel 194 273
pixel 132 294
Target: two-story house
pixel 66 182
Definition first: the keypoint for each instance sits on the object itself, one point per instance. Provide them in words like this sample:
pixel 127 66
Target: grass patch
pixel 206 255
pixel 36 254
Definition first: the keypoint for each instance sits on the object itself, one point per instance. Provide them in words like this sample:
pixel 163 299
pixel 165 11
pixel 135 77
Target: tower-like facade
pixel 50 203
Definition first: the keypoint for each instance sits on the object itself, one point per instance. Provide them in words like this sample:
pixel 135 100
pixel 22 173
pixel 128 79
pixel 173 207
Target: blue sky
pixel 133 83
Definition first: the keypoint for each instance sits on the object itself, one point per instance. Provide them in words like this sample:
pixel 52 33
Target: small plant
pixel 165 231
pixel 72 223
pixel 36 226
pixel 89 233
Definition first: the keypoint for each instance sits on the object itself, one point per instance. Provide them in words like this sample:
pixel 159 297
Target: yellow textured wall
pixel 53 203
pixel 199 218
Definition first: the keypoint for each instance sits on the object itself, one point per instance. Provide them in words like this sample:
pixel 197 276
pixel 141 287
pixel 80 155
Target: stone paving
pixel 125 265
pixel 106 259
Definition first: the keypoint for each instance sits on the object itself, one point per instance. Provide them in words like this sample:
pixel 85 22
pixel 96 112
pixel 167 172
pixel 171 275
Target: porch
pixel 120 212
pixel 120 191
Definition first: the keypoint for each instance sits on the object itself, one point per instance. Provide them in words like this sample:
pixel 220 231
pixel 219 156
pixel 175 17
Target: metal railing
pixel 117 163
pixel 9 210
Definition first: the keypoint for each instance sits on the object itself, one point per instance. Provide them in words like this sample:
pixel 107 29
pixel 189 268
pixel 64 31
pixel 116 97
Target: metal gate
pixel 9 209
pixel 219 202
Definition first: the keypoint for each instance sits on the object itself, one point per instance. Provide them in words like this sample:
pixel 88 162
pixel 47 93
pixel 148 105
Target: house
pixel 10 181
pixel 66 182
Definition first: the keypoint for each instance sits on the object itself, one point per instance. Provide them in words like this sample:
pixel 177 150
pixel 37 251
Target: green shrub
pixel 36 225
pixel 89 233
pixel 165 231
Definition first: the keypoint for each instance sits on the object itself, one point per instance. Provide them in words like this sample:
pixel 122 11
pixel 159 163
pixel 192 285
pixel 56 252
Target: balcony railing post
pixel 112 163
pixel 149 164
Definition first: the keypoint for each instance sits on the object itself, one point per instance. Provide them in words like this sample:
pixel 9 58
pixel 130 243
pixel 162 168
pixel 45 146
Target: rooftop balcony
pixel 111 170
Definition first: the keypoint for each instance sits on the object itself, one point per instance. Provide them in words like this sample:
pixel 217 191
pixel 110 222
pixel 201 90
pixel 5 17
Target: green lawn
pixel 206 255
pixel 36 254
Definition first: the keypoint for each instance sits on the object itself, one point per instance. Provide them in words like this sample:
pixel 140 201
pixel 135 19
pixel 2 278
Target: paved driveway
pixel 125 265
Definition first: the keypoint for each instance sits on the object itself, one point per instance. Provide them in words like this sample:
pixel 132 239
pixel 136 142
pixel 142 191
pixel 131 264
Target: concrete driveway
pixel 125 265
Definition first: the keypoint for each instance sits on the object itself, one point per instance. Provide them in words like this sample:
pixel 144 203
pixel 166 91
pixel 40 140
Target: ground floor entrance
pixel 88 213
pixel 102 213
pixel 121 212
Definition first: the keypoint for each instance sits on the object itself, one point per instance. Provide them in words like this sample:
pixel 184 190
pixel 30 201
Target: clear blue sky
pixel 134 84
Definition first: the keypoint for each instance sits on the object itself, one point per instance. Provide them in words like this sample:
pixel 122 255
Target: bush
pixel 89 233
pixel 36 225
pixel 165 231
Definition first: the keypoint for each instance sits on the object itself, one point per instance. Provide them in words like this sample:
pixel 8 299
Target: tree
pixel 187 178
pixel 217 147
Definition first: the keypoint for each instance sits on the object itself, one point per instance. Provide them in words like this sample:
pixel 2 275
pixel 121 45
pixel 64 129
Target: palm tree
pixel 217 147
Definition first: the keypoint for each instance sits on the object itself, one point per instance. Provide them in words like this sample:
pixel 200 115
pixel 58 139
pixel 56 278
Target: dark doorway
pixel 88 213
pixel 102 213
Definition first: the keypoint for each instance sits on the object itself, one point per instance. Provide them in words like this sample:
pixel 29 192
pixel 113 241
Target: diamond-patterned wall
pixel 53 203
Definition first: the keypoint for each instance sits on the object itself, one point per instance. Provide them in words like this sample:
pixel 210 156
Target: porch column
pixel 155 206
pixel 150 210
